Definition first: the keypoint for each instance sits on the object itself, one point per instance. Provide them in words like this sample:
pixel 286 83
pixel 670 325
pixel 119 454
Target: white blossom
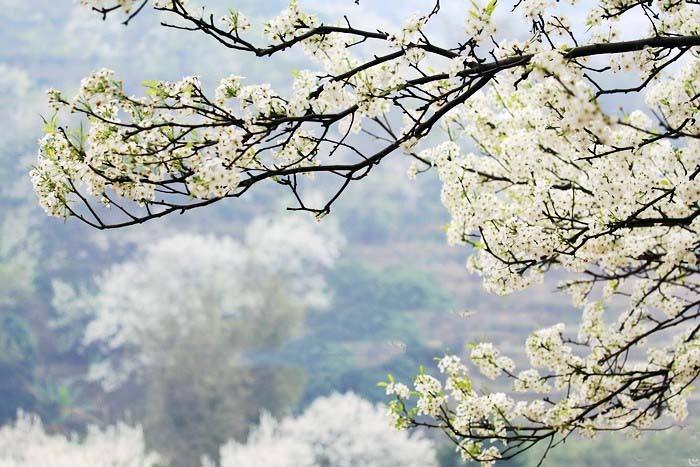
pixel 342 430
pixel 25 443
pixel 189 280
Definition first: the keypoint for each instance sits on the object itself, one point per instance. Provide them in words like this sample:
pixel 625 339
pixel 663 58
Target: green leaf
pixel 152 87
pixel 50 125
pixel 490 7
pixel 463 384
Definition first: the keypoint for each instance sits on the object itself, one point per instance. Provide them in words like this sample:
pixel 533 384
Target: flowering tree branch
pixel 553 182
pixel 188 150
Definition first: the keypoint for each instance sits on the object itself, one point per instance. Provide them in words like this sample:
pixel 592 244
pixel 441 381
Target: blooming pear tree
pixel 26 443
pixel 234 295
pixel 539 175
pixel 342 430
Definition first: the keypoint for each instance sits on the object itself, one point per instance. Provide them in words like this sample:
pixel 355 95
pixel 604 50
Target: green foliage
pixel 203 388
pixel 374 312
pixel 396 287
pixel 62 404
pixel 672 448
pixel 17 366
pixel 17 347
pixel 210 394
pixel 373 304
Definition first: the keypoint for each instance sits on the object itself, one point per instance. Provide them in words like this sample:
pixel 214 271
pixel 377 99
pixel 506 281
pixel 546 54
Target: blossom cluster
pixel 559 184
pixel 129 161
pixel 342 430
pixel 25 443
pixel 175 148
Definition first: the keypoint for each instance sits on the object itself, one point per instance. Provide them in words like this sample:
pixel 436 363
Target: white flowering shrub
pixel 538 176
pixel 193 285
pixel 342 430
pixel 26 443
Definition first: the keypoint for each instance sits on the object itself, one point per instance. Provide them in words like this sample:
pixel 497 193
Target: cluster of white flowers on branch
pixel 559 184
pixel 25 443
pixel 176 148
pixel 553 182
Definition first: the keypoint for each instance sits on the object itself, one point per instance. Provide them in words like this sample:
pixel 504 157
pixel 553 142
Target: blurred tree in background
pixel 181 318
pixel 28 443
pixel 341 430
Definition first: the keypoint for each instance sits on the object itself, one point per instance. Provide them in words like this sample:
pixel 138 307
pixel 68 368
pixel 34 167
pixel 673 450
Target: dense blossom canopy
pixel 538 175
pixel 342 430
pixel 218 288
pixel 27 444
